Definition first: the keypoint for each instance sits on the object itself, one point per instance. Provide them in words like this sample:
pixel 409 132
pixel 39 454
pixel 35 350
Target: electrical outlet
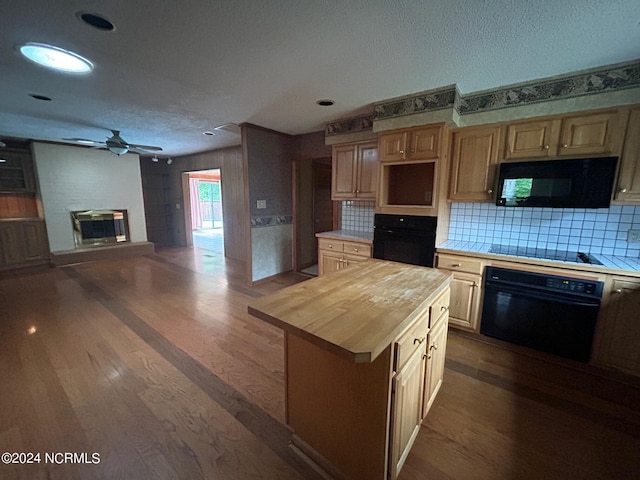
pixel 633 236
pixel 261 204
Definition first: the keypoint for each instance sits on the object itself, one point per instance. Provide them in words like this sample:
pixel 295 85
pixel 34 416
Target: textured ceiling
pixel 172 70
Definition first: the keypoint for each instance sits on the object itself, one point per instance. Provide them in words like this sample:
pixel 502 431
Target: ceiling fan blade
pixel 84 140
pixel 145 147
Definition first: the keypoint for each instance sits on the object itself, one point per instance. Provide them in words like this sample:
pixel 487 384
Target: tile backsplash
pixel 357 215
pixel 602 230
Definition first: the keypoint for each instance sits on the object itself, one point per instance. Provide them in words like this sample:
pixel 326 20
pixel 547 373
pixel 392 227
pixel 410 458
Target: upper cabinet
pixel 16 172
pixel 421 143
pixel 411 169
pixel 597 133
pixel 474 156
pixel 355 170
pixel 628 185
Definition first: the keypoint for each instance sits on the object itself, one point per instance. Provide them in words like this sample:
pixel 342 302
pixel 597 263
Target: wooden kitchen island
pixel 364 359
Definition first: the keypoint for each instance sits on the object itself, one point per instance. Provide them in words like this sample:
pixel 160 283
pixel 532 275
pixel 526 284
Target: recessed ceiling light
pixel 56 58
pixel 208 133
pixel 96 20
pixel 325 102
pixel 44 98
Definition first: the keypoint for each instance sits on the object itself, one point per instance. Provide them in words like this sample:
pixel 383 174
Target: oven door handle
pixel 501 288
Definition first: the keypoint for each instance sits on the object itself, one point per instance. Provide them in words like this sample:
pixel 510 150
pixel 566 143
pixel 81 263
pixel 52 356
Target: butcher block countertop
pixel 357 312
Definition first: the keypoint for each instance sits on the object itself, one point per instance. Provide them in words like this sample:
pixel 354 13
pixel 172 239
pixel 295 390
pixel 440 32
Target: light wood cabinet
pixel 354 171
pixel 619 332
pixel 334 255
pixel 474 158
pixel 628 184
pixel 16 172
pixel 23 243
pixel 422 143
pixel 466 290
pixel 412 170
pixel 594 133
pixel 436 350
pixel 408 394
pixel 419 366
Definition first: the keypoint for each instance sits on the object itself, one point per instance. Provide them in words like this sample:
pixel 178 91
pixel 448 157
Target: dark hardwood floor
pixel 153 364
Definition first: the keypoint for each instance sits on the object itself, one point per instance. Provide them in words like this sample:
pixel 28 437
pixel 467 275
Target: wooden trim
pixel 186 206
pixel 246 203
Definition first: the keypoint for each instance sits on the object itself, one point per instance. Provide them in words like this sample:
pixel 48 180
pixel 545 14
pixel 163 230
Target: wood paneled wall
pixel 16 205
pixel 234 209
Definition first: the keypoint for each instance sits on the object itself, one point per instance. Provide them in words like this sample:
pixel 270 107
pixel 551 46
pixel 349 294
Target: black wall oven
pixel 546 312
pixel 405 238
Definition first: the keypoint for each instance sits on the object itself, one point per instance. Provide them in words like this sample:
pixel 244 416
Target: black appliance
pixel 546 312
pixel 404 238
pixel 546 253
pixel 576 183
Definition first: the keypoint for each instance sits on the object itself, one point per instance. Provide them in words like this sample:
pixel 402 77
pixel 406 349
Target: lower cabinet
pixel 22 243
pixel 466 290
pixel 619 331
pixel 336 255
pixel 408 394
pixel 418 378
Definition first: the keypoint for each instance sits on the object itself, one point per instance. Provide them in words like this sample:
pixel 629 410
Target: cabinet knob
pixel 433 347
pixel 444 307
pixel 455 265
pixel 427 356
pixel 401 152
pixel 565 145
pixel 474 285
pixel 623 190
pixel 355 249
pixel 617 290
pixel 419 340
pixel 546 147
pixel 489 191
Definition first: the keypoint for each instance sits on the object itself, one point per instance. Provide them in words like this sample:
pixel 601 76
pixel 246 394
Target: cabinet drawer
pixel 328 244
pixel 460 264
pixel 411 340
pixel 353 248
pixel 439 307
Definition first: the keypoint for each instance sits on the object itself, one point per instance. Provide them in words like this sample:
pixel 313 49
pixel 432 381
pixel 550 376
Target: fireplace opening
pixel 99 227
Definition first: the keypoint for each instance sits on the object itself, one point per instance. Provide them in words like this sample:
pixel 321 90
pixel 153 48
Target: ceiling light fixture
pixel 96 20
pixel 169 161
pixel 56 58
pixel 155 158
pixel 44 98
pixel 118 149
pixel 325 102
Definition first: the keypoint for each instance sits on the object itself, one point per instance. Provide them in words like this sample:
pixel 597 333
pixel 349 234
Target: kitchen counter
pixel 611 264
pixel 348 235
pixel 355 313
pixel 349 336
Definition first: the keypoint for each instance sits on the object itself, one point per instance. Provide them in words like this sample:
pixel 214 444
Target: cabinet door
pixel 621 329
pixel 344 169
pixel 628 187
pixel 16 172
pixel 12 245
pixel 329 261
pixel 598 133
pixel 436 349
pixel 367 177
pixel 465 301
pixel 35 245
pixel 392 146
pixel 473 165
pixel 531 139
pixel 406 415
pixel 425 143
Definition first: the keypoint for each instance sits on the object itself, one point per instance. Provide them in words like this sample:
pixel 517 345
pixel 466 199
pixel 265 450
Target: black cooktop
pixel 547 254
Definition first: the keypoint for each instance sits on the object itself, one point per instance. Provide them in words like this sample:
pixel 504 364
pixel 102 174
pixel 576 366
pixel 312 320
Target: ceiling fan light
pixel 55 58
pixel 117 149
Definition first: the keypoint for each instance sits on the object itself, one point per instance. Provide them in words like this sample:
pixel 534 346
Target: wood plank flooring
pixel 154 364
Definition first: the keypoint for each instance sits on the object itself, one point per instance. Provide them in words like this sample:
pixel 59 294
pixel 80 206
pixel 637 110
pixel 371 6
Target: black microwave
pixel 575 183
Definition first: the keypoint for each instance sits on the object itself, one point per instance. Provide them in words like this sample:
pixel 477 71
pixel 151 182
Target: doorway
pixel 205 194
pixel 315 211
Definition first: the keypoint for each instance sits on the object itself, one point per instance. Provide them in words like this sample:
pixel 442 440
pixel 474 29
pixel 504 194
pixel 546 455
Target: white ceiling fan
pixel 117 145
